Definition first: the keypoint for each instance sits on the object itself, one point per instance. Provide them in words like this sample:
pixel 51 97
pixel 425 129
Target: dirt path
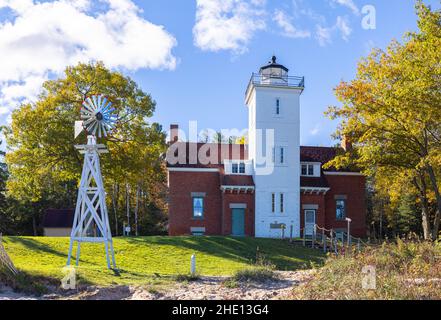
pixel 207 288
pixel 7 293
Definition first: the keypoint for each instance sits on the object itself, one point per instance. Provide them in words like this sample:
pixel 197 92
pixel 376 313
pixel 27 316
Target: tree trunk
pixel 436 222
pixel 115 206
pixel 136 209
pixel 424 206
pixel 128 205
pixel 34 226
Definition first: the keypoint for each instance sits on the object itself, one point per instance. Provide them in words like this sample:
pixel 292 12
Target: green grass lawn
pixel 143 259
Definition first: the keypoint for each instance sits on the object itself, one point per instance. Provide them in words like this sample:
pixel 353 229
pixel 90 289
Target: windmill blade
pixel 98 116
pixel 89 104
pixel 106 107
pixel 104 129
pixel 86 107
pixel 95 103
pixel 98 103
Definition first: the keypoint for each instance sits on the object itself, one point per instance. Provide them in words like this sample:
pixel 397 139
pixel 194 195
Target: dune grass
pixel 404 270
pixel 146 260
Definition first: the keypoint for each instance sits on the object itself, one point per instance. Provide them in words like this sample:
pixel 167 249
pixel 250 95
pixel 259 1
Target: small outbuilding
pixel 58 222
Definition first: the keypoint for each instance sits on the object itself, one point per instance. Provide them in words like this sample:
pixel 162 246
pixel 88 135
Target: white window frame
pixel 234 167
pixel 308 166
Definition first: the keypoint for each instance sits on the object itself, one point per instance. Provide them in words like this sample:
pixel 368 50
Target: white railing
pixel 332 241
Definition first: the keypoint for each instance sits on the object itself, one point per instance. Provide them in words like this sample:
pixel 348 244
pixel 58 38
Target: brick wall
pixel 353 187
pixel 217 212
pixel 181 186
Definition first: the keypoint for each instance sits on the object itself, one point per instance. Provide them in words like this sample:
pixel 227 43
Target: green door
pixel 238 222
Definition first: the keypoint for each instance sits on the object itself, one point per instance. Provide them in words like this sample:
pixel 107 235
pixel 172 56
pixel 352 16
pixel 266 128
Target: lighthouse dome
pixel 274 72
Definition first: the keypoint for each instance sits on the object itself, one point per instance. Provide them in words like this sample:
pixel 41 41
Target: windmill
pixel 91 220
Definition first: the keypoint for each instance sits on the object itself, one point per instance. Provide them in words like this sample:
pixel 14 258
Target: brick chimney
pixel 346 143
pixel 174 133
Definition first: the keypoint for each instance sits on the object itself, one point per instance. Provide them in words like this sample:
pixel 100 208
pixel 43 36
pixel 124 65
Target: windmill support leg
pixel 91 211
pixel 78 253
pixel 107 254
pixel 70 252
pixel 113 254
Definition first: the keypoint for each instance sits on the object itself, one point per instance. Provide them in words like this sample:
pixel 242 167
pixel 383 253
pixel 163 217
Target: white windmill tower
pixel 91 221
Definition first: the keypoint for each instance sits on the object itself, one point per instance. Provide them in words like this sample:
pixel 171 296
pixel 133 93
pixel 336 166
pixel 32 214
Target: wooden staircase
pixel 330 241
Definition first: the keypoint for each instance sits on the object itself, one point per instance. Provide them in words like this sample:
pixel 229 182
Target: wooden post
pixel 332 238
pixel 304 238
pixel 193 265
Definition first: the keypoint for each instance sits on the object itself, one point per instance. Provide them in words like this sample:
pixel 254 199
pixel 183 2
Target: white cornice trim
pixel 330 173
pixel 237 187
pixel 315 189
pixel 193 169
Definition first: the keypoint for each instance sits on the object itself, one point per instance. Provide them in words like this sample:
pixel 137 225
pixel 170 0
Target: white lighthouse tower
pixel 273 101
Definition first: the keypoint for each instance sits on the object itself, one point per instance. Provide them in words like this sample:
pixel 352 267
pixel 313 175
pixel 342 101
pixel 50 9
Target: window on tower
pixel 278 155
pixel 277 106
pixel 273 202
pixel 282 204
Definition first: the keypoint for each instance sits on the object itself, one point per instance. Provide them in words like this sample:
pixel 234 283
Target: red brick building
pixel 222 193
pixel 271 187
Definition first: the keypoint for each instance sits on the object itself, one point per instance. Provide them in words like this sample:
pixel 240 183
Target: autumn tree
pixel 44 163
pixel 391 112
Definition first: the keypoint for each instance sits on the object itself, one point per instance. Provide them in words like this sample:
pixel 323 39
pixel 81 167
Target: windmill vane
pixel 98 116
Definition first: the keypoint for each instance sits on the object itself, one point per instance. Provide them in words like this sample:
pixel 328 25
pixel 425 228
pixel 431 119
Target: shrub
pixel 404 270
pixel 23 282
pixel 256 274
pixel 187 277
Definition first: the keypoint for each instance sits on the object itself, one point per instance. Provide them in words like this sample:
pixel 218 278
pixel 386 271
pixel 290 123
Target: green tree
pixel 43 162
pixel 391 112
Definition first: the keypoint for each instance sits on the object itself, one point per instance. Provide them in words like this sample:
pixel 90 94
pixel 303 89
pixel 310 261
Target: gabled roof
pixel 224 152
pixel 240 152
pixel 317 154
pixel 58 218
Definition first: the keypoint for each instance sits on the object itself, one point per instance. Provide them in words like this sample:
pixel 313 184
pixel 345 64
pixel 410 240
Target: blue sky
pixel 197 65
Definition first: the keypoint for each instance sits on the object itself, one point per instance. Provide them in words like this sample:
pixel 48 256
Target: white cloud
pixel 343 26
pixel 44 37
pixel 289 30
pixel 315 131
pixel 324 34
pixel 227 24
pixel 349 4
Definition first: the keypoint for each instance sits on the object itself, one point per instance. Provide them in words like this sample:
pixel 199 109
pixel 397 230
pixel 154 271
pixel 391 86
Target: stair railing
pixel 329 238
